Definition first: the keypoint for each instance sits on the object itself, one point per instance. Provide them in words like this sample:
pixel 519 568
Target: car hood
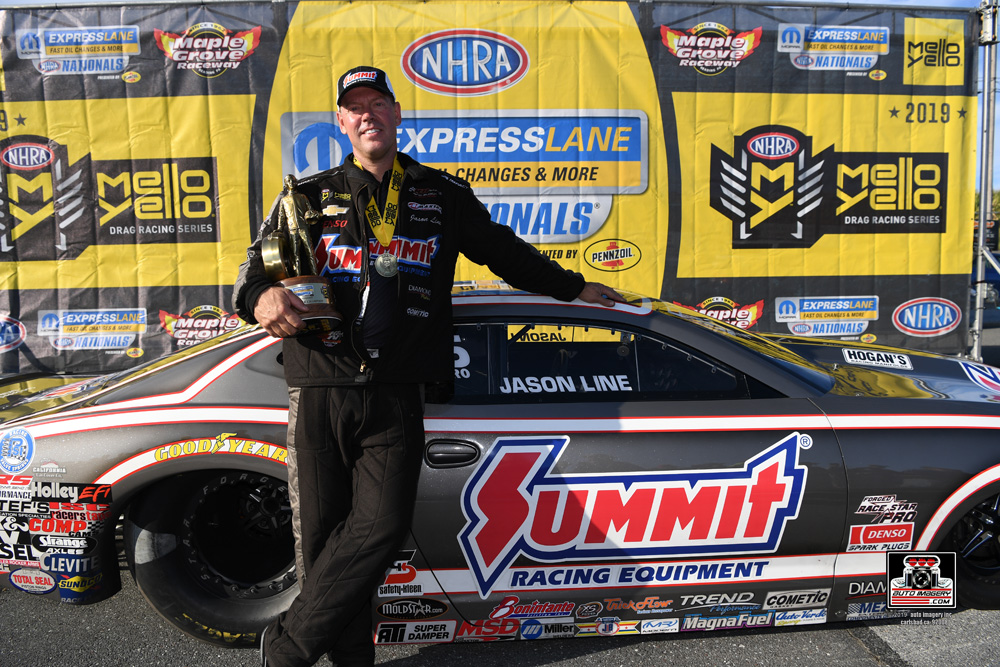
pixel 860 369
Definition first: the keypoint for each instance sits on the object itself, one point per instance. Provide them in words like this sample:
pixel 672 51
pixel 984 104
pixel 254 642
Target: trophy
pixel 289 261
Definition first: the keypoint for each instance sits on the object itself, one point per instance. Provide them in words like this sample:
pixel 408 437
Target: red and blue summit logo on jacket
pixel 515 505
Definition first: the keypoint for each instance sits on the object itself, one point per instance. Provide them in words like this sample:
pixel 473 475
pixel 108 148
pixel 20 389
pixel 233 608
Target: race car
pixel 595 471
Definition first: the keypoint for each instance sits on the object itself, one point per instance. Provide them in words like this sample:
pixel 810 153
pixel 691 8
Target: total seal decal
pixel 198 324
pixel 514 505
pixel 208 49
pixel 855 49
pixel 728 311
pixel 100 202
pixel 17 448
pixel 79 50
pixel 779 193
pixel 710 48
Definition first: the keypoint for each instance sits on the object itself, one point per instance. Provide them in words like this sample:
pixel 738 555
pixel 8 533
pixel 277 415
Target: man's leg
pixel 379 433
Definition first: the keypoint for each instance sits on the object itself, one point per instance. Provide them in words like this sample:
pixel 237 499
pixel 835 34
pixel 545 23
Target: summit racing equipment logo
pixel 778 193
pixel 465 62
pixel 710 48
pixel 515 505
pixel 53 210
pixel 208 49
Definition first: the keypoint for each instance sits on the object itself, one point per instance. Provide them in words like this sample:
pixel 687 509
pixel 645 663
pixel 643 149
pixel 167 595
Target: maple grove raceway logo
pixel 514 505
pixel 208 49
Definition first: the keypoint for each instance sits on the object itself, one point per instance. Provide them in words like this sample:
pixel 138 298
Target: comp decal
pixel 514 505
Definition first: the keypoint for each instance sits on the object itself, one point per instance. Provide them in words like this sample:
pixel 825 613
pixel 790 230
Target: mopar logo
pixel 791 37
pixel 26 156
pixel 773 145
pixel 929 316
pixel 465 62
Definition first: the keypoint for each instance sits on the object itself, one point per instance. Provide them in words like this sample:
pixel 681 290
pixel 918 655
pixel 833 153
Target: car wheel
pixel 975 539
pixel 213 552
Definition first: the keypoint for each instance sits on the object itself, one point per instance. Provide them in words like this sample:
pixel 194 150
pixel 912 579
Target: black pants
pixel 354 455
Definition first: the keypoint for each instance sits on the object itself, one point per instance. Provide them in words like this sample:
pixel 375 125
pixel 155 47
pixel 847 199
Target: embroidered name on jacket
pixel 515 505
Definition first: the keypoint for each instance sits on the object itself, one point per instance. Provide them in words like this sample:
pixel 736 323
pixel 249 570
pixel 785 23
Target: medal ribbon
pixel 384 224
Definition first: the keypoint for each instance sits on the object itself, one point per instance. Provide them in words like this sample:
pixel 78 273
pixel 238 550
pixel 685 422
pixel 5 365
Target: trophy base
pixel 314 291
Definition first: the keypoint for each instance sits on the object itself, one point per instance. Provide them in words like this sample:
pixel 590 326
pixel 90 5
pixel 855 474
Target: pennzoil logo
pixel 51 209
pixel 208 49
pixel 612 255
pixel 710 48
pixel 780 193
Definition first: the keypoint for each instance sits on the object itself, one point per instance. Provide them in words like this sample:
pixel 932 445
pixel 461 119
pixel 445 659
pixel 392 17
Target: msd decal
pixel 514 505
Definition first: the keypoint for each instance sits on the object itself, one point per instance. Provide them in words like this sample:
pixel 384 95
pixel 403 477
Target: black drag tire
pixel 975 539
pixel 213 553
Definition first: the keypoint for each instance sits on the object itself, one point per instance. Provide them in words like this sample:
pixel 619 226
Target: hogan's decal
pixel 515 505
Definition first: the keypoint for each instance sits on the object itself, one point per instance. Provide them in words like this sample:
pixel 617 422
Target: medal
pixel 386 265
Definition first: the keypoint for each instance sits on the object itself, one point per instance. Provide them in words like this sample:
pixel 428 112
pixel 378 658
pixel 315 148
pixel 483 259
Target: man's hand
pixel 277 310
pixel 598 293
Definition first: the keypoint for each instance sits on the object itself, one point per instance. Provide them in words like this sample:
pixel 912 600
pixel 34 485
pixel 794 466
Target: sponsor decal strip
pixel 633 574
pixel 740 423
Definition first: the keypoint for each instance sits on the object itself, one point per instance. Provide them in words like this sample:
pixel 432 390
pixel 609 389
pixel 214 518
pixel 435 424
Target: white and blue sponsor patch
pixel 17 448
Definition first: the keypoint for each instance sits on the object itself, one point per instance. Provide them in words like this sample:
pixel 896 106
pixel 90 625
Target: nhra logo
pixel 27 156
pixel 12 333
pixel 465 62
pixel 515 505
pixel 929 316
pixel 779 193
pixel 208 48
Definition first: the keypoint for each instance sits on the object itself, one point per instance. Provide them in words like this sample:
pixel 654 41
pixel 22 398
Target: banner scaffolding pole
pixel 987 38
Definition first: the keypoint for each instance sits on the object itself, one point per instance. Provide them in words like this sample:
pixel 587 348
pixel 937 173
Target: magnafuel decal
pixel 515 505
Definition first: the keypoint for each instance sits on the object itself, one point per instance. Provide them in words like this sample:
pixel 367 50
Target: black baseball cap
pixel 367 77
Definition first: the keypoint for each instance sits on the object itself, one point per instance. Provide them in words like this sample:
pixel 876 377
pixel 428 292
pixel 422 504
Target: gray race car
pixel 596 471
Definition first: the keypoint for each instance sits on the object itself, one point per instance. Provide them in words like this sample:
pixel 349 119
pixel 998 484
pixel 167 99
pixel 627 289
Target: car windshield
pixel 760 344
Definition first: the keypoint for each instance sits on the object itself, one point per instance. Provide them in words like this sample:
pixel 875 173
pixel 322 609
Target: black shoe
pixel 263 658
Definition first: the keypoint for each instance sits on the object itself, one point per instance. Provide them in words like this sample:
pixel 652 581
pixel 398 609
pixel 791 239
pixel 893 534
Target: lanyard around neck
pixel 384 224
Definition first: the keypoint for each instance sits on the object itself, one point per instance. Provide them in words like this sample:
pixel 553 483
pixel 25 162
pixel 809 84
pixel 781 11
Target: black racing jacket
pixel 439 217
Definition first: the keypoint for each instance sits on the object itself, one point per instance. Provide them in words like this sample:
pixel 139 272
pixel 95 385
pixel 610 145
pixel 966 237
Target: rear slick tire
pixel 213 553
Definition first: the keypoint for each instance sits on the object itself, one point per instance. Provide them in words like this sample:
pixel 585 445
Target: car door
pixel 592 478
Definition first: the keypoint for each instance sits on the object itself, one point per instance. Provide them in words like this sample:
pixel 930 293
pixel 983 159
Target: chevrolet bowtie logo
pixel 334 210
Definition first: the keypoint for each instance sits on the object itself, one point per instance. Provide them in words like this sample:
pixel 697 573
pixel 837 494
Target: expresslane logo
pixel 515 505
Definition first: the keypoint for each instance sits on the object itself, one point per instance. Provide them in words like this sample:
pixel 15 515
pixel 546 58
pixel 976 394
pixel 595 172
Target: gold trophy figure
pixel 289 260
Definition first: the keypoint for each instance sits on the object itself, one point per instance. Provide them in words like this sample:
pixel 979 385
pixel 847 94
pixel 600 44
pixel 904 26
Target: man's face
pixel 369 119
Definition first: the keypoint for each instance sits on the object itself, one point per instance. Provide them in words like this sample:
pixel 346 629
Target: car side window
pixel 532 363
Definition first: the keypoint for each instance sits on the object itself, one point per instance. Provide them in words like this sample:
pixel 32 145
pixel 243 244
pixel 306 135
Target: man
pixel 355 423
